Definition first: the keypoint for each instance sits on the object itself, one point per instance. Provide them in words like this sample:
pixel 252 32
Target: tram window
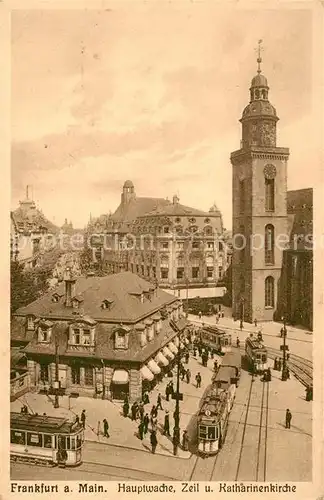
pixel 202 432
pixel 17 437
pixel 79 441
pixel 68 443
pixel 264 358
pixel 34 439
pixel 257 356
pixel 211 433
pixel 47 441
pixel 225 341
pixel 72 440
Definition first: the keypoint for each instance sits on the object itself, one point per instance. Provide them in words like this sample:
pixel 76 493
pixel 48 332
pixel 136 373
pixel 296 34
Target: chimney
pixel 69 287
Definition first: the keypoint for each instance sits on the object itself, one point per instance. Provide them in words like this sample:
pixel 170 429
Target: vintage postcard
pixel 165 260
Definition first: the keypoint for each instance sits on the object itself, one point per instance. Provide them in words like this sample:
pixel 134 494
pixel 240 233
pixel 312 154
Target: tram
pixel 233 359
pixel 256 354
pixel 45 440
pixel 214 413
pixel 216 339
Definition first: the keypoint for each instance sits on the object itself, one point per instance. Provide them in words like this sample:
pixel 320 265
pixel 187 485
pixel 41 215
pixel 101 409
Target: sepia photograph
pixel 163 162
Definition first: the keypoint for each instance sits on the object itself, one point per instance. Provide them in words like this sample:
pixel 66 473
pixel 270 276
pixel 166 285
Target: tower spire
pixel 259 59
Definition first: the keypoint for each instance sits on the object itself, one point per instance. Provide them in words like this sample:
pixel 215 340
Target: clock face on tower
pixel 269 171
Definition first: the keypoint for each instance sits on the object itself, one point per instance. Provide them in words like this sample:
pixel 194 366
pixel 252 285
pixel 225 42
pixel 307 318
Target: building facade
pixel 107 337
pixel 178 247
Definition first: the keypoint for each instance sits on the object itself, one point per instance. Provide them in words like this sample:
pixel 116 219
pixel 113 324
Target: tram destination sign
pixel 284 348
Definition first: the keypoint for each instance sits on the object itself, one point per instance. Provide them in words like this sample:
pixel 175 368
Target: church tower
pixel 259 183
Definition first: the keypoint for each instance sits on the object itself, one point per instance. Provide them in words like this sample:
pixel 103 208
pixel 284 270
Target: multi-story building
pixel 29 233
pixel 106 337
pixel 177 246
pixel 261 221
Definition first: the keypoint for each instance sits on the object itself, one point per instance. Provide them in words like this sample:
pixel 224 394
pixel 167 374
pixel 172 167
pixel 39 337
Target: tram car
pixel 216 339
pixel 256 354
pixel 232 359
pixel 214 411
pixel 45 440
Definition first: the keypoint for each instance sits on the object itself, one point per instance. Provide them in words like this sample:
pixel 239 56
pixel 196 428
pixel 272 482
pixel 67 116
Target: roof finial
pixel 259 59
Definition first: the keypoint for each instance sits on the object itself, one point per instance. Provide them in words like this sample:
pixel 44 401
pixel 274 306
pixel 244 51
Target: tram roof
pixel 41 423
pixel 232 358
pixel 254 343
pixel 214 330
pixel 225 374
pixel 214 403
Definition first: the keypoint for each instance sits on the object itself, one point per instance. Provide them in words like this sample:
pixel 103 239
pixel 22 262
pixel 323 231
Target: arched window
pixel 269 292
pixel 269 195
pixel 242 196
pixel 269 244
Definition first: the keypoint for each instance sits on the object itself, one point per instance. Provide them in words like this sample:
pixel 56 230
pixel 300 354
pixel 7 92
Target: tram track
pixel 244 430
pixel 263 435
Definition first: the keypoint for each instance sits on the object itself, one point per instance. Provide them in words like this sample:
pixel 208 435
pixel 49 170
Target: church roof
pixel 257 108
pixel 300 214
pixel 259 81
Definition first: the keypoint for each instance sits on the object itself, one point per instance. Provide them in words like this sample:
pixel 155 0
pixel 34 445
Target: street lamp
pixel 56 383
pixel 177 396
pixel 284 348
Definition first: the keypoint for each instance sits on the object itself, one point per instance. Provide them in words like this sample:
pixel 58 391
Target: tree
pixel 27 285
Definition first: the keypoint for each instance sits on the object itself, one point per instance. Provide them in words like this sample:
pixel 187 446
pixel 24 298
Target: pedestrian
pixel 106 428
pixel 83 418
pixel 133 411
pixel 167 392
pixel 288 418
pixel 215 366
pixel 185 441
pixel 159 402
pixel 188 375
pixel 187 357
pixel 198 380
pixel 255 322
pixel 223 314
pixel 199 314
pixel 241 325
pixel 275 364
pixel 146 421
pixel 166 427
pixel 154 424
pixel 141 430
pixel 77 420
pixel 194 351
pixel 146 399
pixel 183 372
pixel 125 408
pixel 154 411
pixel 141 410
pixel 237 342
pixel 154 441
pixel 279 364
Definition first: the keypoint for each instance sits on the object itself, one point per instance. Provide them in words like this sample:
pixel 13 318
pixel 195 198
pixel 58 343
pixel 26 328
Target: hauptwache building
pixel 110 336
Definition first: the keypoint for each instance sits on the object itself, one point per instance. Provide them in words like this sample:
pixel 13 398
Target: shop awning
pixel 120 377
pixel 160 358
pixel 146 373
pixel 176 341
pixel 168 353
pixel 172 348
pixel 154 367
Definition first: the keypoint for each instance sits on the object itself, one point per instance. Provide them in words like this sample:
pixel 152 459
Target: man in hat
pixel 288 418
pixel 166 427
pixel 106 428
pixel 185 441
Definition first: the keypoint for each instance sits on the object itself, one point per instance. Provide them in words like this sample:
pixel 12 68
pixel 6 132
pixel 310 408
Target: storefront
pixel 119 386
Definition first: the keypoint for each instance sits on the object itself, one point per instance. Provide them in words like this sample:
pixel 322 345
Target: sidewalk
pixel 300 341
pixel 123 431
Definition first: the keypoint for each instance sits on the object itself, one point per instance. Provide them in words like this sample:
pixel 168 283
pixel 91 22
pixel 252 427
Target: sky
pixel 151 93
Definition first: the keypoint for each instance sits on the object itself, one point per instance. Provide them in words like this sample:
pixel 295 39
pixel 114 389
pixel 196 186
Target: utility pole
pixel 176 431
pixel 56 383
pixel 284 347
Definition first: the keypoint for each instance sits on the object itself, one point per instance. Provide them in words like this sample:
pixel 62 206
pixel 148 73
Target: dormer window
pixel 45 331
pixel 82 333
pixel 106 304
pixel 121 337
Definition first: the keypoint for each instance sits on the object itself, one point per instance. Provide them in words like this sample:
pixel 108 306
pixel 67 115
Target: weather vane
pixel 259 59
